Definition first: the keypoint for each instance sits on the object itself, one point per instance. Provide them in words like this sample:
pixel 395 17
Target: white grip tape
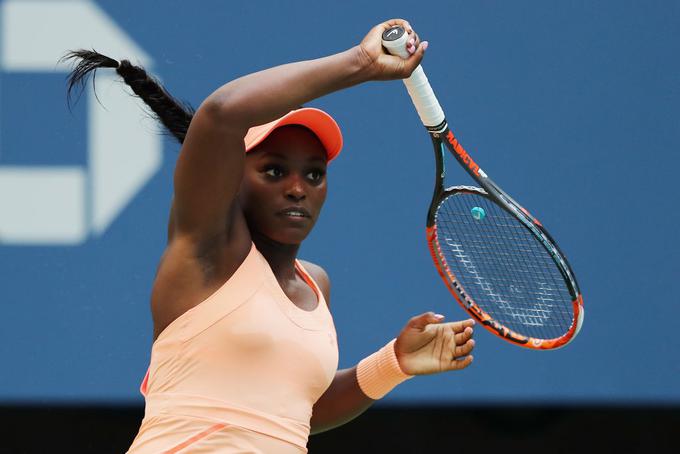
pixel 429 110
pixel 427 106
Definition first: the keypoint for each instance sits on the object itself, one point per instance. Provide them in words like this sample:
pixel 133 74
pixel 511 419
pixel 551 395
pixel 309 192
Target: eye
pixel 316 175
pixel 273 171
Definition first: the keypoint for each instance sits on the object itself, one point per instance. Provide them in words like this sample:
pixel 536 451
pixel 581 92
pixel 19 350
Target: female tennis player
pixel 244 357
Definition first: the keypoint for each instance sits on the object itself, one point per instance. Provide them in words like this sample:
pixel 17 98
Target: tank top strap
pixel 310 281
pixel 321 311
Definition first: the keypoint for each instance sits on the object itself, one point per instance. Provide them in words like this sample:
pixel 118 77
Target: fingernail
pixel 438 316
pixel 424 44
pixel 412 41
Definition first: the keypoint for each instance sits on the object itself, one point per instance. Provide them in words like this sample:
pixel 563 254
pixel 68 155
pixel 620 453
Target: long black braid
pixel 172 113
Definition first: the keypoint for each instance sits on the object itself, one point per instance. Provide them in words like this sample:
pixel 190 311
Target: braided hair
pixel 172 113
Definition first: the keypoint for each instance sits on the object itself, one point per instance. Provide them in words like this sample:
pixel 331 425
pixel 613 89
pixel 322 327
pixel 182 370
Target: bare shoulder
pixel 321 278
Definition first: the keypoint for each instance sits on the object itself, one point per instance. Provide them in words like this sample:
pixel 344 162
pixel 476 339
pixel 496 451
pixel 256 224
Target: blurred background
pixel 572 107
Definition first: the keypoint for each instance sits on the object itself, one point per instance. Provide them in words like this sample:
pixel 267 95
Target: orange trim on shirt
pixel 307 278
pixel 195 438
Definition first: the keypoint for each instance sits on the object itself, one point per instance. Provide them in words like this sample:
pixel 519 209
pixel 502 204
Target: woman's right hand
pixel 383 66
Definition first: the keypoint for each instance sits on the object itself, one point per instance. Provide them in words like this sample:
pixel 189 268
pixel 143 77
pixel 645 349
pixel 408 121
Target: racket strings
pixel 503 267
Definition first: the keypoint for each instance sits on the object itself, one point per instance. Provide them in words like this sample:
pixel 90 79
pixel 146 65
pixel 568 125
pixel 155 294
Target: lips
pixel 295 212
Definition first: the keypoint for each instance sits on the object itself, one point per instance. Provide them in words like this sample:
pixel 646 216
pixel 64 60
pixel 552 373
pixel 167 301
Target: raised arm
pixel 210 166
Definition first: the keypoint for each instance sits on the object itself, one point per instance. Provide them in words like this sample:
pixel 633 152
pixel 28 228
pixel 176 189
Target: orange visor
pixel 316 120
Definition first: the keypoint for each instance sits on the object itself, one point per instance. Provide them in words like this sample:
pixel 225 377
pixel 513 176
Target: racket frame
pixel 424 100
pixel 442 137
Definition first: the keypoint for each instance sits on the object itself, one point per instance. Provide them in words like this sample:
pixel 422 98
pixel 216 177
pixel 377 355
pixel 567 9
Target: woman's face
pixel 284 185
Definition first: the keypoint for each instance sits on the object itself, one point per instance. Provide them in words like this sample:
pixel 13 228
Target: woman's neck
pixel 281 257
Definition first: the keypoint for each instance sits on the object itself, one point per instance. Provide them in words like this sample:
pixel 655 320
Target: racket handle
pixel 418 87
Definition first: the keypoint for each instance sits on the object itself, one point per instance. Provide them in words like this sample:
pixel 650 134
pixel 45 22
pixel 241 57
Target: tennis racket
pixel 497 260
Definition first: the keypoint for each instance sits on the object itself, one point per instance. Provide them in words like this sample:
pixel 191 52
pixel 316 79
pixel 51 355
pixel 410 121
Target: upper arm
pixel 321 277
pixel 171 222
pixel 208 172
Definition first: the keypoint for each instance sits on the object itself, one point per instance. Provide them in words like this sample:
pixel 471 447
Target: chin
pixel 288 236
pixel 291 234
pixel 281 232
pixel 294 238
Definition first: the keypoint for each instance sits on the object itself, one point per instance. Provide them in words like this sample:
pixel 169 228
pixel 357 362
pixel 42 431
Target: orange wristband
pixel 379 373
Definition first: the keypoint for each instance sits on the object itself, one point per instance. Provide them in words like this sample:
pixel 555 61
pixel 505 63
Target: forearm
pixel 354 390
pixel 342 402
pixel 266 95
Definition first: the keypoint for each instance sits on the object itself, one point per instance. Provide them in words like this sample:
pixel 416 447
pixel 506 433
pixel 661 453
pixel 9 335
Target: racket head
pixel 504 274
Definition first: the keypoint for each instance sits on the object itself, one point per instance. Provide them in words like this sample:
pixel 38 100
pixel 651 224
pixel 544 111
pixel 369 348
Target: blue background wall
pixel 573 107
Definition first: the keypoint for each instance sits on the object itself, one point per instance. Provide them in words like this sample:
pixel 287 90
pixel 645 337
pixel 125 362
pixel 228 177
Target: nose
pixel 295 190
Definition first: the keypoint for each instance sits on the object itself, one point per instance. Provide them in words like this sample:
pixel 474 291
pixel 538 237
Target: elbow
pixel 224 109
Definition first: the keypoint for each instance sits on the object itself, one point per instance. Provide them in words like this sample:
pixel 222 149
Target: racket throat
pixel 438 179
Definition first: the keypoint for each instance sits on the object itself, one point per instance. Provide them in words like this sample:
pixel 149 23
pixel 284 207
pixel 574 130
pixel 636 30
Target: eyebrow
pixel 276 154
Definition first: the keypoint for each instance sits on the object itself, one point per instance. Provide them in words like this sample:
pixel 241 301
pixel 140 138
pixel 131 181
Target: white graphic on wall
pixel 64 205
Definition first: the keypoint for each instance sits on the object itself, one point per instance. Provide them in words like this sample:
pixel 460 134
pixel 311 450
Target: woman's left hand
pixel 428 346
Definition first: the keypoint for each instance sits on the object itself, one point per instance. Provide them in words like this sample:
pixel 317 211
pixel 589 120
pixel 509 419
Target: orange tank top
pixel 240 370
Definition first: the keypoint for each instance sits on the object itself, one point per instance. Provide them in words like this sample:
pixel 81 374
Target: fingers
pixel 413 43
pixel 401 22
pixel 459 364
pixel 416 57
pixel 461 344
pixel 421 321
pixel 381 65
pixel 463 349
pixel 461 325
pixel 461 338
